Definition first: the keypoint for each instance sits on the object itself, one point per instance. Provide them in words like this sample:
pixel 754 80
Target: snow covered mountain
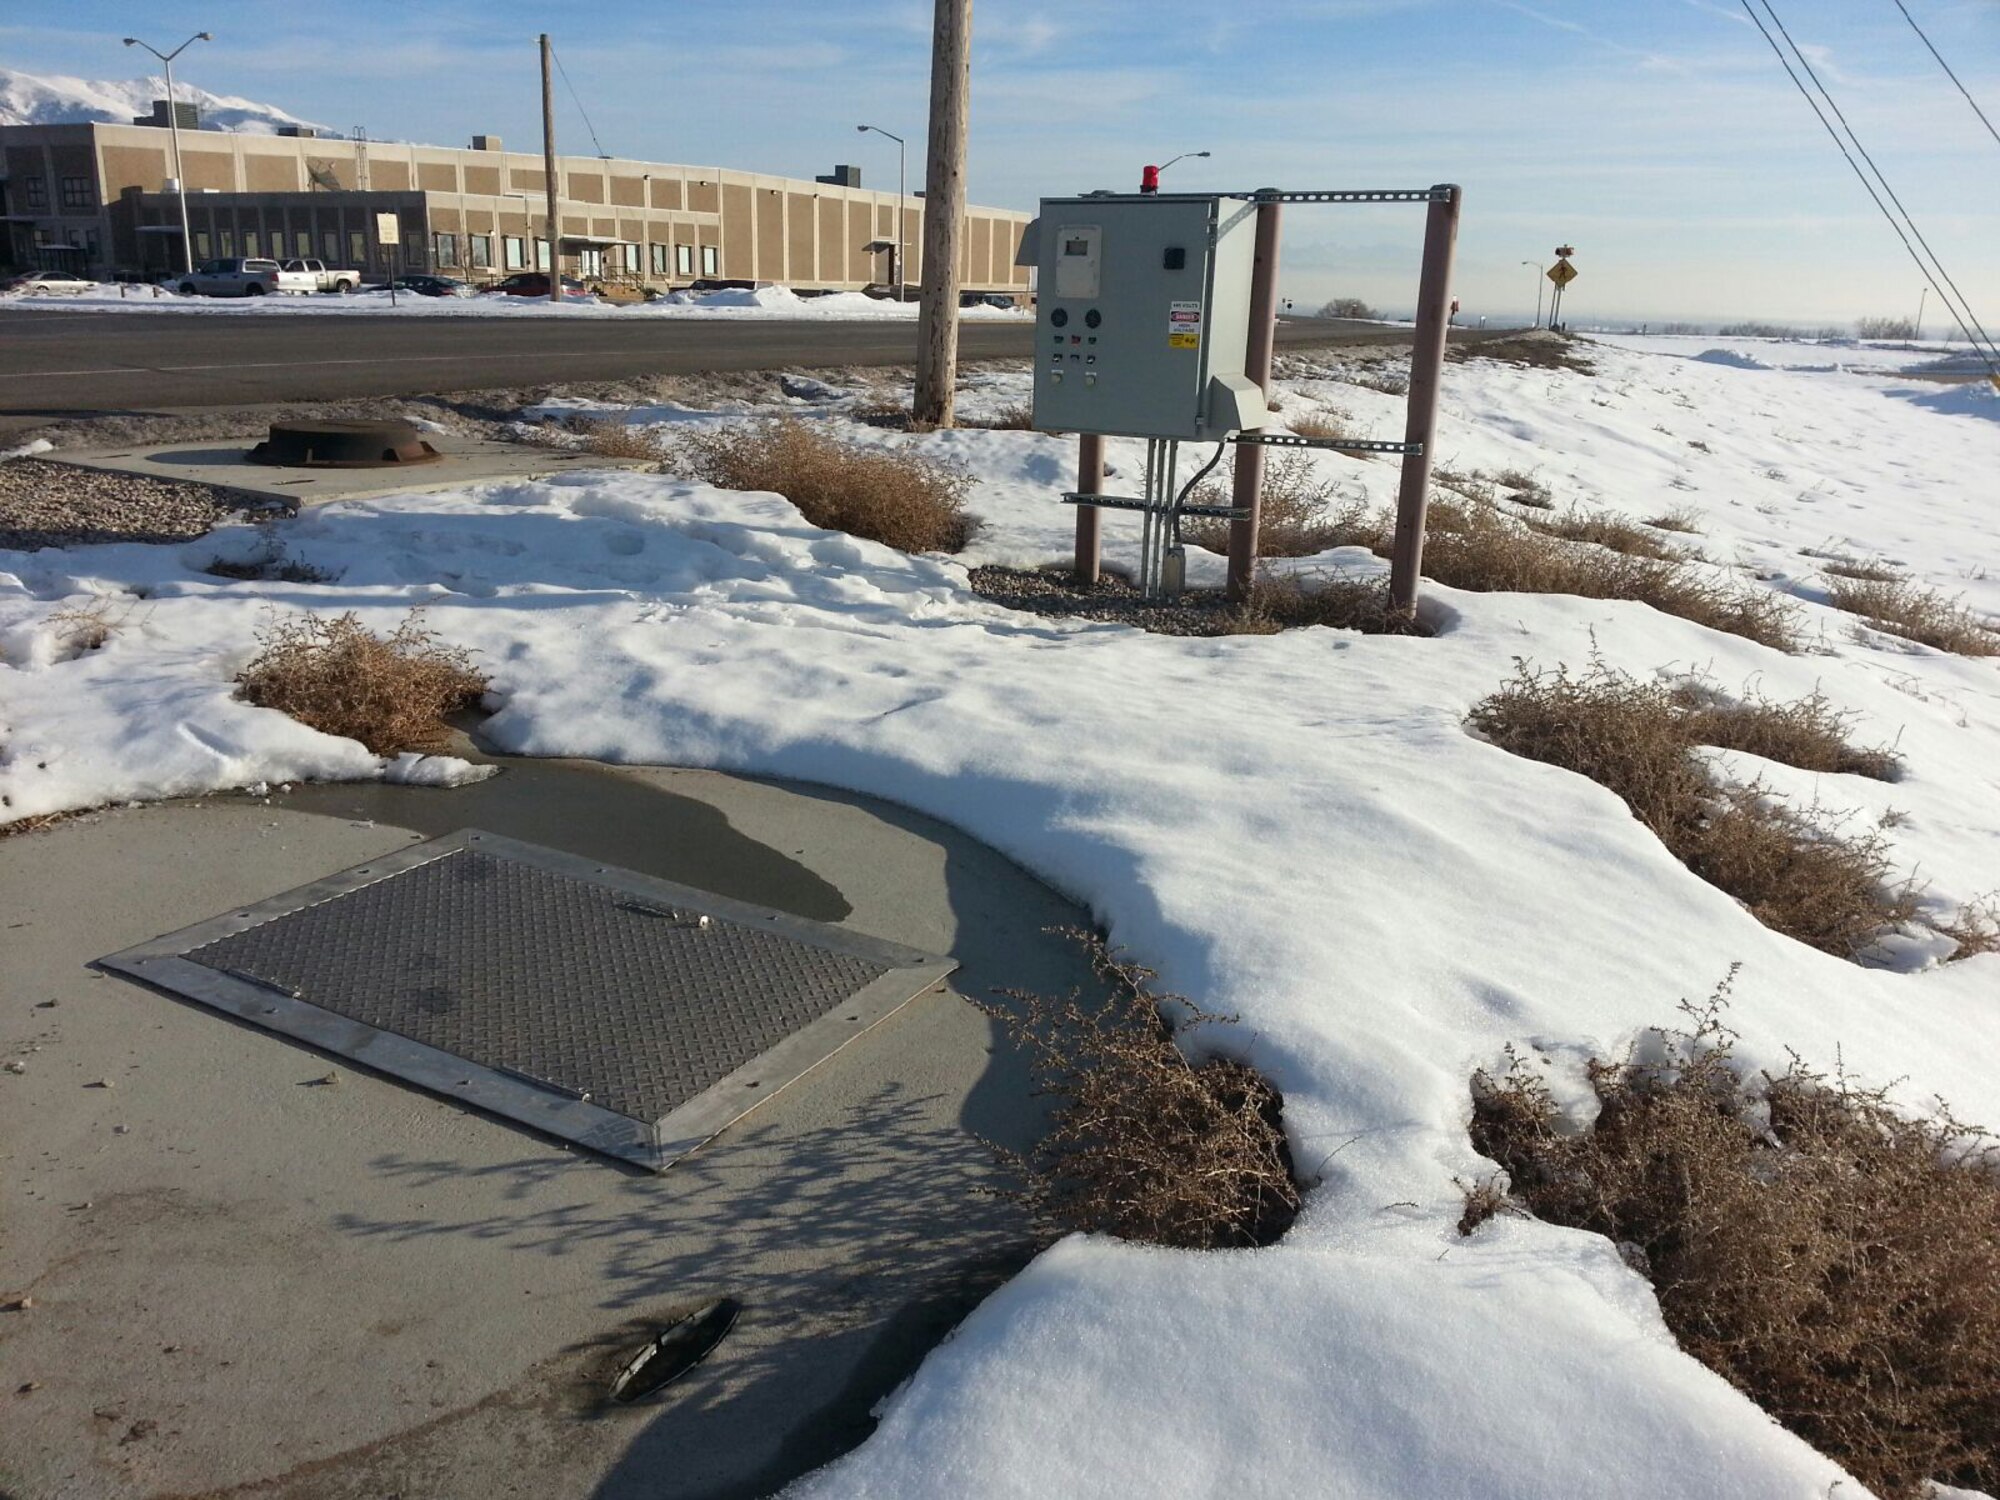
pixel 39 99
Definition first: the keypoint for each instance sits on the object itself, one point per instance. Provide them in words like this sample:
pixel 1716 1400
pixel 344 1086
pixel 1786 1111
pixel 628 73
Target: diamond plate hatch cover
pixel 633 1016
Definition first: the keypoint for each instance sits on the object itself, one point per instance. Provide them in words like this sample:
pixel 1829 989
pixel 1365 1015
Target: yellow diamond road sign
pixel 1562 273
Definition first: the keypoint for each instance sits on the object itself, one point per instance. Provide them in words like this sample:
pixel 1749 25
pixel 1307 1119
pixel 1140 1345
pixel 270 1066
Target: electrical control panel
pixel 1143 314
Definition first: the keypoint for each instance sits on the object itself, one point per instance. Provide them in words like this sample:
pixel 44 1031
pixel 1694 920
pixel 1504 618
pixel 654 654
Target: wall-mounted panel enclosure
pixel 1143 315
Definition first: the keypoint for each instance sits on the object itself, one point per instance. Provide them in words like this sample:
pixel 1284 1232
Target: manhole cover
pixel 344 443
pixel 630 1015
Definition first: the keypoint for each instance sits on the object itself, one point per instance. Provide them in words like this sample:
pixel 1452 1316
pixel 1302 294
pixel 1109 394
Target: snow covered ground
pixel 1296 829
pixel 775 302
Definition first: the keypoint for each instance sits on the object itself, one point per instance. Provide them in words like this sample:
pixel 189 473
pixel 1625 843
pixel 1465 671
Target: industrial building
pixel 99 199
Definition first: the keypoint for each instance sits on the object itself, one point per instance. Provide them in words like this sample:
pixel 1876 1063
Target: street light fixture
pixel 901 272
pixel 1538 289
pixel 1149 177
pixel 174 129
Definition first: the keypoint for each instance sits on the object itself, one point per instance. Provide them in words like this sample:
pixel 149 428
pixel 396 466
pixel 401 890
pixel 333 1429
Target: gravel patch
pixel 1054 591
pixel 55 505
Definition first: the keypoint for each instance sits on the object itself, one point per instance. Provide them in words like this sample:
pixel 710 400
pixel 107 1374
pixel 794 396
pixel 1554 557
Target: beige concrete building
pixel 98 198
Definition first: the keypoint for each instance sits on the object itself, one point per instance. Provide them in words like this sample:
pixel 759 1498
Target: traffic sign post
pixel 1562 273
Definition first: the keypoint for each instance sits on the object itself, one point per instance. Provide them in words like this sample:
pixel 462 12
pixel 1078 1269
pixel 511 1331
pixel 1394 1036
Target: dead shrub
pixel 84 627
pixel 609 439
pixel 1524 488
pixel 1864 572
pixel 1975 927
pixel 1603 528
pixel 1681 518
pixel 1287 601
pixel 1809 733
pixel 1477 548
pixel 1834 1261
pixel 1019 417
pixel 272 562
pixel 1797 872
pixel 882 411
pixel 1318 424
pixel 392 692
pixel 1144 1143
pixel 1916 613
pixel 1299 513
pixel 899 499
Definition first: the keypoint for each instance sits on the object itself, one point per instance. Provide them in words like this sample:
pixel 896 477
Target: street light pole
pixel 174 130
pixel 902 272
pixel 1537 265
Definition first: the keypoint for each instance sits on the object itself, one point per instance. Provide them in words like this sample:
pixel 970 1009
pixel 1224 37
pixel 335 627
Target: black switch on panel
pixel 1175 259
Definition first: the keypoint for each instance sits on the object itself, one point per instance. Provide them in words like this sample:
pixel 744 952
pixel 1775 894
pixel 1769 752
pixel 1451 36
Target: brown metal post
pixel 1406 559
pixel 1089 519
pixel 1247 489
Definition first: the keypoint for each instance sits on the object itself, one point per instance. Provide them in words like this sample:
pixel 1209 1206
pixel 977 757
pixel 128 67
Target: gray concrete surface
pixel 248 1280
pixel 227 467
pixel 56 363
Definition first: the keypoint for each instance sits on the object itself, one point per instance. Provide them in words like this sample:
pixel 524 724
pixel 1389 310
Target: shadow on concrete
pixel 595 812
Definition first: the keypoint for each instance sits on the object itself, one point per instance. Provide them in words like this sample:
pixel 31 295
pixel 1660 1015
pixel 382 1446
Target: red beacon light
pixel 1149 179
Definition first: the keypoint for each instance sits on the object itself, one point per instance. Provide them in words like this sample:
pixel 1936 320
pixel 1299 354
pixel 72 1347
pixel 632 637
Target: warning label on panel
pixel 1183 325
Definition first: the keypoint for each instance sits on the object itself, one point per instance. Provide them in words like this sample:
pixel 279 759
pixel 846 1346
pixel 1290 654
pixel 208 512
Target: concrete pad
pixel 248 1277
pixel 467 460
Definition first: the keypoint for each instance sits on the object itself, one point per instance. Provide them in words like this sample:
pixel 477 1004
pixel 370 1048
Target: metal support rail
pixel 1339 445
pixel 1124 502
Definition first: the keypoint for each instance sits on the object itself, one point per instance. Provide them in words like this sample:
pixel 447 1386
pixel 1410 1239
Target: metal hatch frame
pixel 547 1107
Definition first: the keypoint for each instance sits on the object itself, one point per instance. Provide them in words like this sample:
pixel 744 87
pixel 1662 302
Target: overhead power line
pixel 1954 301
pixel 579 102
pixel 1947 70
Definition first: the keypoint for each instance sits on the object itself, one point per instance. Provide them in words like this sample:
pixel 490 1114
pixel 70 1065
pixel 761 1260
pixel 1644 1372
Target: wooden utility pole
pixel 549 171
pixel 944 214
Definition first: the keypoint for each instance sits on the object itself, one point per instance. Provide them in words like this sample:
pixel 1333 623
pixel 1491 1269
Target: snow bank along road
pixel 94 361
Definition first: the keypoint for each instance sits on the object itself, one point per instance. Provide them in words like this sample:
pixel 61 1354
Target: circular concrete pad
pixel 257 1269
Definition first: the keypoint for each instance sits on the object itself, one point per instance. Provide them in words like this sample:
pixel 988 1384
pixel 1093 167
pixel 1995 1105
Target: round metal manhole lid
pixel 344 443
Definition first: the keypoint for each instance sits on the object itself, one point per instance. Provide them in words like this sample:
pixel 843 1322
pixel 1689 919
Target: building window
pixel 76 193
pixel 302 243
pixel 444 249
pixel 708 261
pixel 202 247
pixel 228 242
pixel 37 189
pixel 90 243
pixel 659 260
pixel 684 260
pixel 329 245
pixel 541 255
pixel 413 248
pixel 357 249
pixel 513 251
pixel 632 258
pixel 252 245
pixel 482 251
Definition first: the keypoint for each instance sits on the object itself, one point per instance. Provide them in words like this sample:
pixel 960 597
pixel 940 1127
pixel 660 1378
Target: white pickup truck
pixel 317 276
pixel 238 276
pixel 232 276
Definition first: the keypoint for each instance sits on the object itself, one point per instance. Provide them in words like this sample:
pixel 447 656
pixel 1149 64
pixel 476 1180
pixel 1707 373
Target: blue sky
pixel 1658 136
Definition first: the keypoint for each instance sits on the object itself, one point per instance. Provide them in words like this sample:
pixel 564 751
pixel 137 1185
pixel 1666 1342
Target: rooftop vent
pixel 486 143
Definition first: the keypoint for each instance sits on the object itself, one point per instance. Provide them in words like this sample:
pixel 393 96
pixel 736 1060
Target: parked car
pixel 46 282
pixel 318 276
pixel 233 276
pixel 534 284
pixel 435 286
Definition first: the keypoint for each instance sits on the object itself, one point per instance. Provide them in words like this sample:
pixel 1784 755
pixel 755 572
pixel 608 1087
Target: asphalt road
pixel 60 363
